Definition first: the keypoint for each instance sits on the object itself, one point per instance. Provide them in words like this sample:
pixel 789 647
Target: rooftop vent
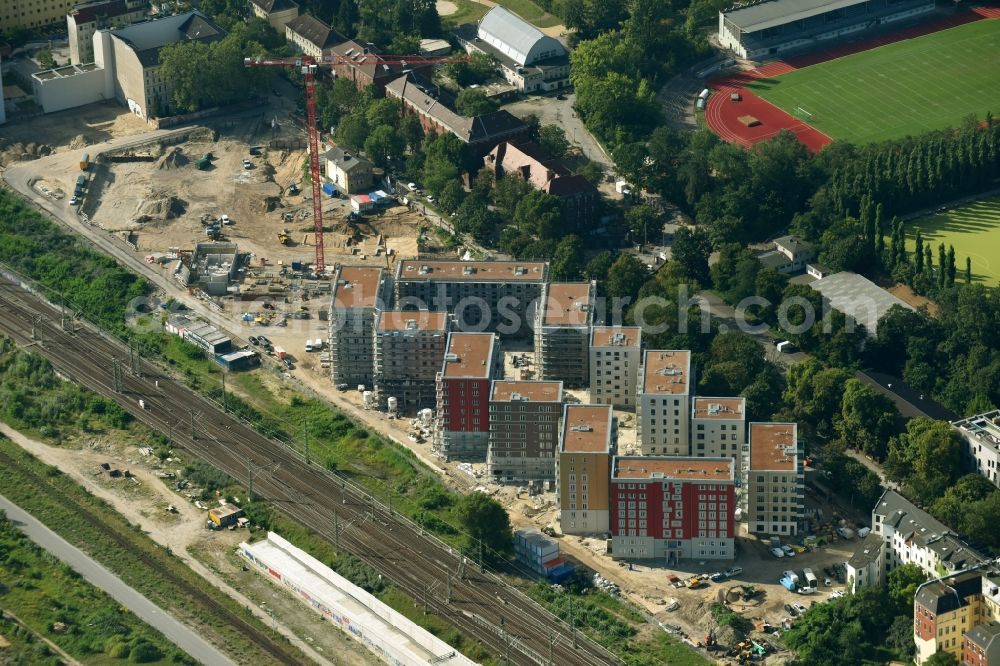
pixel 520 270
pixel 581 428
pixel 468 270
pixel 425 269
pixel 451 357
pixel 411 324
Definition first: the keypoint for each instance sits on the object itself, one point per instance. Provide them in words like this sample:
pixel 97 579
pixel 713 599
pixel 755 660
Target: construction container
pixel 393 404
pixel 84 162
pixel 361 203
pixel 204 162
pixel 280 353
pixel 329 190
pixel 535 550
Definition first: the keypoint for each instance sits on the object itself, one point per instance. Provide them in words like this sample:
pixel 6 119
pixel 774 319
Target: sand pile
pixel 173 159
pixel 160 208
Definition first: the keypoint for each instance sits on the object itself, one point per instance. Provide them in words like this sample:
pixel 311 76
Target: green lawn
pixel 974 230
pixel 470 11
pixel 901 89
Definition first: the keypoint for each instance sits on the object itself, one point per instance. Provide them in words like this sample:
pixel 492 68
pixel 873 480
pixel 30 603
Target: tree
pixel 352 132
pixel 485 522
pixel 642 220
pixel 868 419
pixel 599 266
pixel 383 145
pixel 625 277
pixel 509 192
pixel 552 139
pixel 452 195
pixel 690 250
pixel 903 584
pixel 968 270
pixel 918 254
pixel 567 261
pixel 900 636
pixel 445 156
pixel 540 214
pixel 941 658
pixel 473 102
pixel 480 69
pixel 951 265
pixel 927 457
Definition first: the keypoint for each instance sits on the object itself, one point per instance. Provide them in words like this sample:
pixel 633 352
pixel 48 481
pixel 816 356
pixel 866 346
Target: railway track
pixel 503 619
pixel 260 639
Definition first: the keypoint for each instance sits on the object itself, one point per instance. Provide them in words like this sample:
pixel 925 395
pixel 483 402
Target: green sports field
pixel 901 89
pixel 974 230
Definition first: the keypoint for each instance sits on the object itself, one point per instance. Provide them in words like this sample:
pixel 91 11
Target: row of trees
pixel 205 74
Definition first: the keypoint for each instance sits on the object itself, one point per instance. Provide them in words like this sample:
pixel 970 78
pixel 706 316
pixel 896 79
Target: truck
pixel 845 532
pixel 81 182
pixel 810 580
pixel 279 352
pixel 786 347
pixel 85 162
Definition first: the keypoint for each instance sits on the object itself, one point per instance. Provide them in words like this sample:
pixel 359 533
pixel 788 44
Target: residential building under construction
pixel 409 351
pixel 359 293
pixel 563 323
pixel 524 430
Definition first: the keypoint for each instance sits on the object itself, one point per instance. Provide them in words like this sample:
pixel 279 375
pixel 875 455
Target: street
pixel 94 573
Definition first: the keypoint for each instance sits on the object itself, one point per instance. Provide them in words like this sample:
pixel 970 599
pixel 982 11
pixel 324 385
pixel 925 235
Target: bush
pixel 143 652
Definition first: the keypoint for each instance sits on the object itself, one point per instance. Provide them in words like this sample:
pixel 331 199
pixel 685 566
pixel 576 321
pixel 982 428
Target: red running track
pixel 722 114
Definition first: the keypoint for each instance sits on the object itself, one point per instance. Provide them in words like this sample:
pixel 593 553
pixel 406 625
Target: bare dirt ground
pixel 904 293
pixel 143 499
pixel 72 130
pixel 446 8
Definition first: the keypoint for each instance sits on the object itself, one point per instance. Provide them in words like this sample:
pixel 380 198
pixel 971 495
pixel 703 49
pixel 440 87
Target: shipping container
pixel 361 203
pixel 85 162
pixel 280 353
pixel 329 190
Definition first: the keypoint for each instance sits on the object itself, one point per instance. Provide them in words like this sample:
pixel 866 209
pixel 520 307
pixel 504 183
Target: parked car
pixel 791 610
pixel 430 199
pixel 827 582
pixel 411 187
pixel 718 577
pixel 254 340
pixel 225 219
pixel 799 608
pixel 560 97
pixel 777 552
pixel 247 164
pixel 734 571
pixel 73 200
pixel 789 552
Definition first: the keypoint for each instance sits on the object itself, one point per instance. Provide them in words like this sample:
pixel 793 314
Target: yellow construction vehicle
pixel 284 238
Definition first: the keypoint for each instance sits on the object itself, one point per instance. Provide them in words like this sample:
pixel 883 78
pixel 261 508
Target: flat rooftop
pixel 568 304
pixel 586 429
pixel 770 444
pixel 685 468
pixel 473 271
pixel 512 391
pixel 720 408
pixel 469 355
pixel 412 320
pixel 666 372
pixel 616 336
pixel 357 287
pixel 770 13
pixel 858 297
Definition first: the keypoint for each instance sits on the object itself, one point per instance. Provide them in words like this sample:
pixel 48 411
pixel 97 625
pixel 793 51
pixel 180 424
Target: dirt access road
pixel 144 501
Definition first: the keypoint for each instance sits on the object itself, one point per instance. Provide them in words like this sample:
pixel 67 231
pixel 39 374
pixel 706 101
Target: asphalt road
pixel 94 573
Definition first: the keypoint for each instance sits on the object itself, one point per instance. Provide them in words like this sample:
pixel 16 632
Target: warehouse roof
pixel 515 37
pixel 857 297
pixel 771 13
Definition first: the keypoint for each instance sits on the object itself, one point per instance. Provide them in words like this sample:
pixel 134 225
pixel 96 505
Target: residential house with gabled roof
pixel 276 12
pixel 312 36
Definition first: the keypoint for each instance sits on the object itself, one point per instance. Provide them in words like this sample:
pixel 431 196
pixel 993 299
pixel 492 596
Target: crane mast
pixel 308 65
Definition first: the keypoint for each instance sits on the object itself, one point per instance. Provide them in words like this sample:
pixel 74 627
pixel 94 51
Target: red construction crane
pixel 308 65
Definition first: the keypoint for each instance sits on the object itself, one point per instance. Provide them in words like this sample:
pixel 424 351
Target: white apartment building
pixel 982 444
pixel 773 480
pixel 911 535
pixel 614 365
pixel 664 403
pixel 719 428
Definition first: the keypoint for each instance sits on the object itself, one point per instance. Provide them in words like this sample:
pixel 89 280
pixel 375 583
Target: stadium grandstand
pixel 769 27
